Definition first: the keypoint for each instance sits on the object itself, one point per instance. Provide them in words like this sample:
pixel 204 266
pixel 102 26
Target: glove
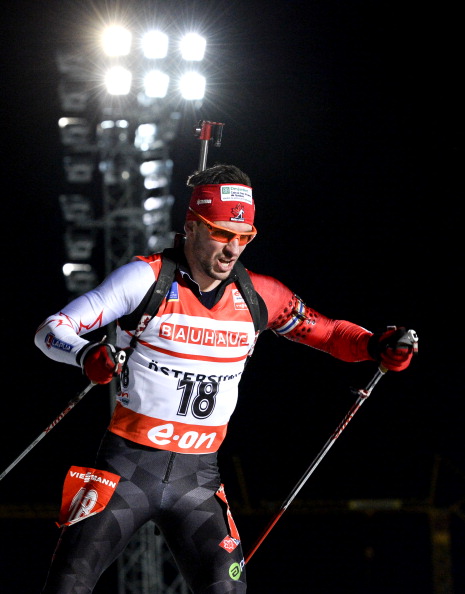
pixel 393 349
pixel 101 362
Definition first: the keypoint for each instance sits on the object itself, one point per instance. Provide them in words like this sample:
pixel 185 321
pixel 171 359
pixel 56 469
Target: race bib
pixel 86 492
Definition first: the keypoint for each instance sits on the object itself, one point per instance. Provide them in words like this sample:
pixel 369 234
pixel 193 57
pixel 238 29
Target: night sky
pixel 345 116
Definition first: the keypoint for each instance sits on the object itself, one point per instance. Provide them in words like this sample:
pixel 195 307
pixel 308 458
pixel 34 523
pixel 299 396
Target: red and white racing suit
pixel 180 387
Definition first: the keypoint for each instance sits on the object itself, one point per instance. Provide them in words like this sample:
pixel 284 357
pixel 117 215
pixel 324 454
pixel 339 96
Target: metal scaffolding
pixel 147 566
pixel 116 204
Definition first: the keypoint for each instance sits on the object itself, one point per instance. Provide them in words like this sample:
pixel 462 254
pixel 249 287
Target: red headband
pixel 222 202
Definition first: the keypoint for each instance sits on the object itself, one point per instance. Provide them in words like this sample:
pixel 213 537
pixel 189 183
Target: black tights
pixel 177 492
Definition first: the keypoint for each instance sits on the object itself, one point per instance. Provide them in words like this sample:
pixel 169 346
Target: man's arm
pixel 290 317
pixel 60 336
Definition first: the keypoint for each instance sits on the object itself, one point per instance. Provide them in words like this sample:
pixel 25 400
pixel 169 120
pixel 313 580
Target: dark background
pixel 346 117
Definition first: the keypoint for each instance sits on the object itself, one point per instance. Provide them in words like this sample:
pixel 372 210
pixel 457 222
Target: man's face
pixel 210 257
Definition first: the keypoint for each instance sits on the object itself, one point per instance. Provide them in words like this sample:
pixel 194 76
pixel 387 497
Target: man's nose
pixel 233 246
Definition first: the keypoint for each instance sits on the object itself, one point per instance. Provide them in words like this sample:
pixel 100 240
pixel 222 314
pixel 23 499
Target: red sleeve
pixel 290 317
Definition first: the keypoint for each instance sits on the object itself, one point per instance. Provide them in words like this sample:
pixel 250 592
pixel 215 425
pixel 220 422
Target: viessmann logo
pixel 203 336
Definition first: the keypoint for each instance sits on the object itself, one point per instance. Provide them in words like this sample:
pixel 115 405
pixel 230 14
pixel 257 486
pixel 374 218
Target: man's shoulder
pixel 153 260
pixel 270 288
pixel 150 259
pixel 263 281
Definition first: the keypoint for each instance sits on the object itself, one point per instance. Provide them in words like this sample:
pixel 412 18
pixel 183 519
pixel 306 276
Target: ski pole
pixel 410 339
pixel 120 359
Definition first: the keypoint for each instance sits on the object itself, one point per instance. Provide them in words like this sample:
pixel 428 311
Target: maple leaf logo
pixel 238 212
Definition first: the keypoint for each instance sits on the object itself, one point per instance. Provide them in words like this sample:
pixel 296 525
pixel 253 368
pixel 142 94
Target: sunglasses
pixel 225 235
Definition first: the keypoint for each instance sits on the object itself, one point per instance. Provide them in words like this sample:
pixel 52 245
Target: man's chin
pixel 220 275
pixel 223 270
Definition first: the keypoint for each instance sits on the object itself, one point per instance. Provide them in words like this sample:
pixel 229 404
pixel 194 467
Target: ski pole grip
pixel 120 360
pixel 409 339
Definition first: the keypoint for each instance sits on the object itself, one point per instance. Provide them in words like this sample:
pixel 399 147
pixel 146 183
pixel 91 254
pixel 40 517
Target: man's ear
pixel 189 226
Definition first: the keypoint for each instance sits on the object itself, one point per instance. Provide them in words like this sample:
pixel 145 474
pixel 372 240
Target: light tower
pixel 121 107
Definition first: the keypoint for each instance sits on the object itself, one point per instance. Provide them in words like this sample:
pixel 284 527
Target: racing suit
pixel 177 393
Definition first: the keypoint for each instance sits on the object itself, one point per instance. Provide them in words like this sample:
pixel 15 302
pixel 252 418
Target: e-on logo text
pixel 163 435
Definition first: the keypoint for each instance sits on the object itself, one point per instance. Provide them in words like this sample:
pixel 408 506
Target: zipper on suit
pixel 169 467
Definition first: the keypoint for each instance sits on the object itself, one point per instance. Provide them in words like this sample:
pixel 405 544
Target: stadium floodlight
pixel 74 131
pixel 192 86
pixel 156 173
pixel 118 80
pixel 112 133
pixel 155 45
pixel 116 41
pixel 145 137
pixel 79 277
pixel 156 84
pixel 193 47
pixel 158 202
pixel 113 124
pixel 154 182
pixel 157 218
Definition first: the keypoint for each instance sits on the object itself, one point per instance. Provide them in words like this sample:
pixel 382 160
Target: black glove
pixel 393 349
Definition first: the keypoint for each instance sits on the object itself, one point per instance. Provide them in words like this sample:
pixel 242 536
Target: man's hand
pixel 102 362
pixel 394 348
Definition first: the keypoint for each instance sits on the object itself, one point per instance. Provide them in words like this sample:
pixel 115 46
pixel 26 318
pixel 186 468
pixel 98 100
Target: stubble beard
pixel 206 264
